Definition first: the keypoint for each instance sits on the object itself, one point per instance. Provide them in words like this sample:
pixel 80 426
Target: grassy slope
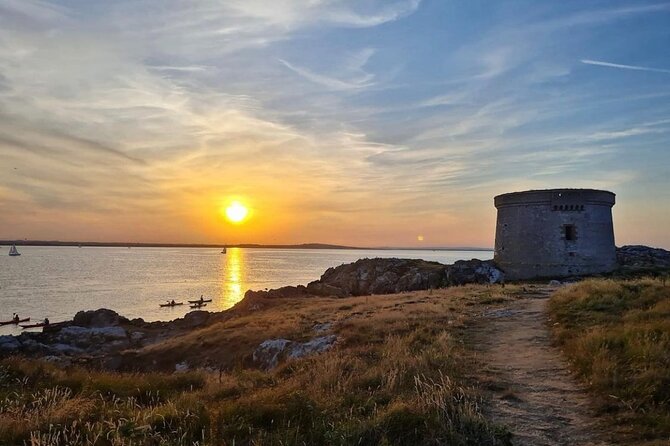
pixel 617 336
pixel 395 377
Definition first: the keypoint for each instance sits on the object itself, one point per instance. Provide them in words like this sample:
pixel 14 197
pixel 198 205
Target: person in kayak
pixel 46 321
pixel 16 318
pixel 173 303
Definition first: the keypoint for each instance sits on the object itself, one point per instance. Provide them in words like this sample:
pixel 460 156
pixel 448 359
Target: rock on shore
pixel 387 276
pixel 100 336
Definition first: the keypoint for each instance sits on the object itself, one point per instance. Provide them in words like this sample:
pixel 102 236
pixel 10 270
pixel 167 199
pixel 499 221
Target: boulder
pixel 98 337
pixel 473 271
pixel 268 352
pixel 97 318
pixel 196 318
pixel 76 332
pixel 316 345
pixel 9 344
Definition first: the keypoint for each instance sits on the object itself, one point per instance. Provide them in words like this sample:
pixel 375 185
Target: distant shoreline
pixel 214 245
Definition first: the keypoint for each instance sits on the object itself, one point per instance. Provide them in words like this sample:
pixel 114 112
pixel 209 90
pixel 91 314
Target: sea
pixel 57 282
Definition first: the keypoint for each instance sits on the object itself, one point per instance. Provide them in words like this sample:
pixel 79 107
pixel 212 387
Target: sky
pixel 358 122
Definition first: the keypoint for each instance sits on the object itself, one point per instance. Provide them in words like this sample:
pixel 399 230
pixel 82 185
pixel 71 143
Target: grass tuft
pixel 617 336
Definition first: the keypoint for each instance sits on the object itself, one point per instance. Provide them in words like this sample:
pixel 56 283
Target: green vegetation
pixel 393 379
pixel 617 336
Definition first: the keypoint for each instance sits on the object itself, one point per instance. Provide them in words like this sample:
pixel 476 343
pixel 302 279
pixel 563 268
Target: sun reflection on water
pixel 234 273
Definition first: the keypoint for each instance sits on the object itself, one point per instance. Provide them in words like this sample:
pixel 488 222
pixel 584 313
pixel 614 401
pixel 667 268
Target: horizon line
pixel 310 245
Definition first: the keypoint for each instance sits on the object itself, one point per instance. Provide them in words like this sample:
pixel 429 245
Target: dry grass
pixel 394 378
pixel 617 336
pixel 356 320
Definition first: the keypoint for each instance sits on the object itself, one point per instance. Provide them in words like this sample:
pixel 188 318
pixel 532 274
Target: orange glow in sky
pixel 117 125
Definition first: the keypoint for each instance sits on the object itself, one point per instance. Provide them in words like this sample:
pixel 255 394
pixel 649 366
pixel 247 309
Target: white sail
pixel 13 251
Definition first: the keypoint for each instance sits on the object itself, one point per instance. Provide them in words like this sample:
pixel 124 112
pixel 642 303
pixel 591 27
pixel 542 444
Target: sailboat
pixel 13 252
pixel 223 251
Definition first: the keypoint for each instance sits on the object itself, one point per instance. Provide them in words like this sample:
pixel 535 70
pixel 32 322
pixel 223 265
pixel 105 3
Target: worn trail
pixel 533 391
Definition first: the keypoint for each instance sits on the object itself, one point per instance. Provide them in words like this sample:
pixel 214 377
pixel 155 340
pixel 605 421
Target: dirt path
pixel 533 391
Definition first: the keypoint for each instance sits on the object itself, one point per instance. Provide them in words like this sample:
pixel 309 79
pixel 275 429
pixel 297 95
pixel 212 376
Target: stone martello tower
pixel 555 233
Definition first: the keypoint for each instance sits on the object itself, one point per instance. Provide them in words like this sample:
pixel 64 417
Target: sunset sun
pixel 236 212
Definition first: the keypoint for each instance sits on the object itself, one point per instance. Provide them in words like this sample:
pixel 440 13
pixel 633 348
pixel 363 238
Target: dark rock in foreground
pixel 98 337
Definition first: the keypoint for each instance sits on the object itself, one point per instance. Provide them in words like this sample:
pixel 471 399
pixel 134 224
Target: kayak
pixel 198 305
pixel 15 322
pixel 199 301
pixel 41 324
pixel 172 304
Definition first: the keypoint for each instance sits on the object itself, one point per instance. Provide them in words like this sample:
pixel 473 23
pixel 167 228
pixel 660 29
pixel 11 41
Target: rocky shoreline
pixel 386 276
pixel 102 338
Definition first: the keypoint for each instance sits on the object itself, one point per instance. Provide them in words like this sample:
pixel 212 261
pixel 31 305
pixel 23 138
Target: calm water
pixel 56 282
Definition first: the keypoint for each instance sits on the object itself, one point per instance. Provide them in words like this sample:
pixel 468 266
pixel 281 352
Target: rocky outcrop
pixel 386 276
pixel 98 318
pixel 100 336
pixel 269 353
pixel 383 276
pixel 638 257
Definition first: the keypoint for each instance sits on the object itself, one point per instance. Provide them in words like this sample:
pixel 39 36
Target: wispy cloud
pixel 622 66
pixel 353 75
pixel 188 69
pixel 33 9
pixel 418 122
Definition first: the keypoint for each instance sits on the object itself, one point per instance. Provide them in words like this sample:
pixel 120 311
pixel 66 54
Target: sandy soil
pixel 532 389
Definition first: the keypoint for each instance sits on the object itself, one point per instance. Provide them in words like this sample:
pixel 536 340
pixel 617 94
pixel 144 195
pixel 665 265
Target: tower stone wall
pixel 554 233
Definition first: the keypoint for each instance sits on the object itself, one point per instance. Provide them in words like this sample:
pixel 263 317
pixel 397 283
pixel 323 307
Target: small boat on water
pixel 198 305
pixel 199 301
pixel 13 322
pixel 224 250
pixel 13 252
pixel 38 325
pixel 172 304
